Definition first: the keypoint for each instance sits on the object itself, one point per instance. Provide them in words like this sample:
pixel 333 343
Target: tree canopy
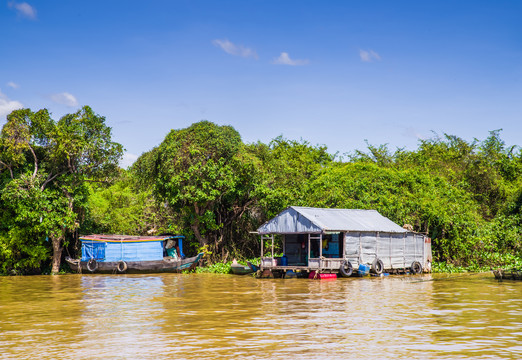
pixel 45 165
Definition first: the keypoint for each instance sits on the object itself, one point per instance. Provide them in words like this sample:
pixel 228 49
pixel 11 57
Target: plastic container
pixel 172 252
pixel 284 260
pixel 290 274
pixel 363 270
pixel 322 276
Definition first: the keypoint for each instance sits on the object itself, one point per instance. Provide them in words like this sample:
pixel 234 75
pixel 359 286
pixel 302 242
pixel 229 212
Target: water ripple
pixel 216 316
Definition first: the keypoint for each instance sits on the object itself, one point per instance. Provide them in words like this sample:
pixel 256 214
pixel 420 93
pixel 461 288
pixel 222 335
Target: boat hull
pixel 134 267
pixel 509 274
pixel 238 269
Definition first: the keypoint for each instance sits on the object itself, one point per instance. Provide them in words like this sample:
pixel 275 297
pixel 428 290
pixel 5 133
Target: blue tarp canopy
pixel 128 248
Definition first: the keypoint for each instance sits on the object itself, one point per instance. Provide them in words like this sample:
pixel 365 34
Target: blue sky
pixel 330 72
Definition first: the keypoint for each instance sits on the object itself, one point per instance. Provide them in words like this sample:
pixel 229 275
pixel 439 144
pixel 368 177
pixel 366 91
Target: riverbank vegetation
pixel 60 179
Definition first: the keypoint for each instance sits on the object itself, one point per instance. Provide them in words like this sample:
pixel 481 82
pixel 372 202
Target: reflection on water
pixel 118 311
pixel 217 316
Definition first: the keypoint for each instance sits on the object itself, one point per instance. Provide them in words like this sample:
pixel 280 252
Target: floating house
pixel 341 241
pixel 124 254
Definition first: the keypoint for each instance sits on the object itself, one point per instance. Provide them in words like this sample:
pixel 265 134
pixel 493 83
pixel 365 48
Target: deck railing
pixel 313 264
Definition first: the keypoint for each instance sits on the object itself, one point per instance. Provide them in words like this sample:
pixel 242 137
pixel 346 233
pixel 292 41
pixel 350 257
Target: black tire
pixel 377 266
pixel 92 265
pixel 346 269
pixel 122 266
pixel 416 267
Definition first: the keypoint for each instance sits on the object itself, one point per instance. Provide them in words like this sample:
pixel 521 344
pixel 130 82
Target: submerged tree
pixel 47 165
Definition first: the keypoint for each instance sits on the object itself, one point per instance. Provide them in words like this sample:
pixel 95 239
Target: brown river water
pixel 205 316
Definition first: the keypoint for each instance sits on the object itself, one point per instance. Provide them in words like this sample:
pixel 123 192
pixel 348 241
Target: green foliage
pixel 44 166
pixel 222 267
pixel 204 182
pixel 287 167
pixel 123 208
pixel 195 168
pixel 406 196
pixel 217 268
pixel 21 252
pixel 203 174
pixel 466 196
pixel 447 268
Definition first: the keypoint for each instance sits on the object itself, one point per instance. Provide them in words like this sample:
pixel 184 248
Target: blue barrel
pixel 284 260
pixel 363 269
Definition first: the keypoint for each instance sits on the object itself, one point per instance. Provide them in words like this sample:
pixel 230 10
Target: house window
pixel 332 245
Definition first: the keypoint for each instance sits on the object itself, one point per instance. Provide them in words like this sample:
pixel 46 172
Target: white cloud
pixel 13 85
pixel 233 49
pixel 7 106
pixel 23 9
pixel 64 99
pixel 127 160
pixel 369 55
pixel 284 59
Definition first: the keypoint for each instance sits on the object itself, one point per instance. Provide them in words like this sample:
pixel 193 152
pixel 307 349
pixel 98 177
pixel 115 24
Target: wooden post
pixel 320 245
pixel 309 235
pixel 262 241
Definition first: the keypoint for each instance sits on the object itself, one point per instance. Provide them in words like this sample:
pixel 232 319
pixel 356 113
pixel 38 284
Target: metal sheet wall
pixel 351 247
pixel 384 249
pixel 427 259
pixel 396 251
pixel 368 247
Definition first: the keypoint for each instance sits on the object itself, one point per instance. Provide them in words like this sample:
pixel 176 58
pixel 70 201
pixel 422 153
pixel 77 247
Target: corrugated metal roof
pixel 297 219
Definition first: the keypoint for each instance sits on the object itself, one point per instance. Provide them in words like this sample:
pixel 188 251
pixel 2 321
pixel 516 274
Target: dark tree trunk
pixel 202 240
pixel 195 226
pixel 57 254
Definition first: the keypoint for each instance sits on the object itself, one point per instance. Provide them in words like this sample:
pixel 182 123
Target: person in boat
pixel 172 244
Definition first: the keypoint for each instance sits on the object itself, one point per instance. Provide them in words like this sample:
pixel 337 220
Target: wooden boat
pixel 509 274
pixel 132 254
pixel 239 269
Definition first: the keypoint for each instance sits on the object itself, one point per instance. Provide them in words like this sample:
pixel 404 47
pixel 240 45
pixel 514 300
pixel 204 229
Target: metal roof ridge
pixel 320 226
pixel 329 209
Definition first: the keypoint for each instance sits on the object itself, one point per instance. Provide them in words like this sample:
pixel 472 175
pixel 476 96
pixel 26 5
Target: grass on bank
pixel 223 268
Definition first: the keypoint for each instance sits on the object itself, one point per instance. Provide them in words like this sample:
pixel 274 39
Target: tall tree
pixel 48 164
pixel 203 173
